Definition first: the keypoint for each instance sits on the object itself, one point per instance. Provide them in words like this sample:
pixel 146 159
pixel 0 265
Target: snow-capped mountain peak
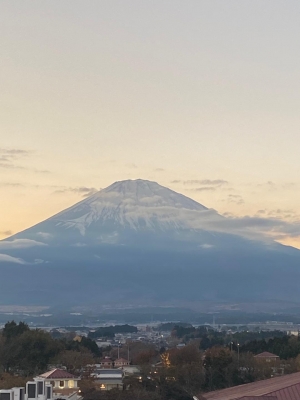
pixel 135 204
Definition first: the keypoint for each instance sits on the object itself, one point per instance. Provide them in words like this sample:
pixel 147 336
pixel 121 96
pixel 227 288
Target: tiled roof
pixel 258 398
pixel 266 354
pixel 57 374
pixel 283 387
pixel 288 393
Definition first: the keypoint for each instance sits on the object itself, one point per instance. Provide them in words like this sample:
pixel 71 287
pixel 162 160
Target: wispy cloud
pixel 235 198
pixel 9 159
pixel 11 184
pixel 270 227
pixel 45 235
pixel 206 182
pixel 8 156
pixel 10 259
pixel 6 233
pixel 204 189
pixel 82 190
pixel 206 246
pixel 19 244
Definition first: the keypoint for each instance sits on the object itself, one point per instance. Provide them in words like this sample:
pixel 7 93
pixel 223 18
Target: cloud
pixel 11 184
pixel 10 166
pixel 14 152
pixel 84 191
pixel 9 157
pixel 159 169
pixel 45 235
pixel 272 227
pixel 204 189
pixel 6 258
pixel 6 233
pixel 19 244
pixel 131 165
pixel 287 214
pixel 39 261
pixel 268 184
pixel 235 198
pixel 206 246
pixel 206 182
pixel 40 171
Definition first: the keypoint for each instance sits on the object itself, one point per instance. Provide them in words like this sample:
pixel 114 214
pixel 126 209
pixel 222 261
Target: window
pixel 71 384
pixel 40 387
pixel 31 390
pixel 49 390
pixel 5 396
pixel 61 384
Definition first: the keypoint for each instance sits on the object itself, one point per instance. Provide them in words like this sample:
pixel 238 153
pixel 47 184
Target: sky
pixel 200 96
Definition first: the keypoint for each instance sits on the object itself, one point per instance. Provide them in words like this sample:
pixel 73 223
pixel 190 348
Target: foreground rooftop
pixel 286 387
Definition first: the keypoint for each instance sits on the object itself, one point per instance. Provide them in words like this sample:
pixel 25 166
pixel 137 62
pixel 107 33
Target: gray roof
pixel 109 381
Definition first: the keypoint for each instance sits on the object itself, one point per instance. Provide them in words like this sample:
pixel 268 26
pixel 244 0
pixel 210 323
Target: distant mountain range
pixel 137 242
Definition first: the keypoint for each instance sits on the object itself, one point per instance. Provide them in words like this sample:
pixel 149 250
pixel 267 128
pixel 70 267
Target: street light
pixel 238 346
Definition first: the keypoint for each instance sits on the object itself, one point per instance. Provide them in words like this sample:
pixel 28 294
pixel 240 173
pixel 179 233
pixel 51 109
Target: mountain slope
pixel 139 240
pixel 128 205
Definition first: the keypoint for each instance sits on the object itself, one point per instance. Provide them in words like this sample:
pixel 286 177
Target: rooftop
pixel 286 387
pixel 266 354
pixel 57 374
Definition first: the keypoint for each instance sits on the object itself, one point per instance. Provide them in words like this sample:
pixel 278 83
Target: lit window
pixel 71 384
pixel 102 386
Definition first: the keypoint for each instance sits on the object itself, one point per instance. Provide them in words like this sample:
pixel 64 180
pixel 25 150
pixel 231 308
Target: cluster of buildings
pixel 52 385
pixel 109 373
pixel 59 384
pixel 145 336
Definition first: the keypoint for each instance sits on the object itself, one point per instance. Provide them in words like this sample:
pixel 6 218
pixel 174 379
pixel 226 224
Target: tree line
pixel 27 352
pixel 110 331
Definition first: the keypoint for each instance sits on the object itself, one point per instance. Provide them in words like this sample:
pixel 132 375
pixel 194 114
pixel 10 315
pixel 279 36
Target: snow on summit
pixel 135 204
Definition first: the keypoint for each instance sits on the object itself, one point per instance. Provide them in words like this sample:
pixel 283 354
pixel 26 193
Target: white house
pixel 64 384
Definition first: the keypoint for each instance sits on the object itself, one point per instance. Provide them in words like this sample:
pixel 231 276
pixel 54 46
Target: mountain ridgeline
pixel 137 241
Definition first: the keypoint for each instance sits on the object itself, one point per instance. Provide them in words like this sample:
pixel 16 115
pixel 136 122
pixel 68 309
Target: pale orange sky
pixel 201 92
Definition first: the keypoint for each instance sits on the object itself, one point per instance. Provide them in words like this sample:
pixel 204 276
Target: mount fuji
pixel 139 241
